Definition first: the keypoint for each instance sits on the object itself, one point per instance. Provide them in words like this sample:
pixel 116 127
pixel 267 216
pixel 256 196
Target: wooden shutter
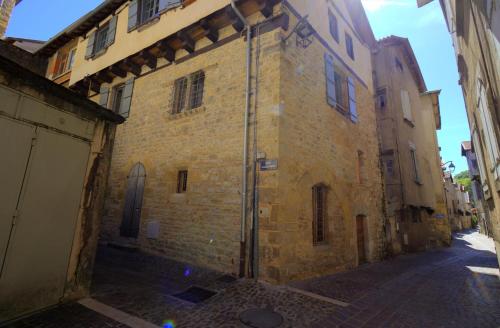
pixel 56 64
pixel 331 96
pixel 490 139
pixel 132 15
pixel 110 38
pixel 104 96
pixel 351 89
pixel 126 98
pixel 133 202
pixel 90 46
pixel 405 103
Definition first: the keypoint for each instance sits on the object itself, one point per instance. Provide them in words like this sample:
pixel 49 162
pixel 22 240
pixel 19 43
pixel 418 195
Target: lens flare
pixel 187 272
pixel 168 324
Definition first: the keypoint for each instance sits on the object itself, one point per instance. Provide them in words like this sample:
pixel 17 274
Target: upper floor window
pixel 148 9
pixel 117 97
pixel 349 46
pixel 101 39
pixel 406 106
pixel 399 65
pixel 121 97
pixel 319 214
pixel 182 177
pixel 414 161
pixel 334 26
pixel 142 11
pixel 196 84
pixel 71 59
pixel 351 91
pixel 381 98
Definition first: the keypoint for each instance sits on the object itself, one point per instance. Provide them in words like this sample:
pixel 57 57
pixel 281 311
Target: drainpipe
pixel 245 140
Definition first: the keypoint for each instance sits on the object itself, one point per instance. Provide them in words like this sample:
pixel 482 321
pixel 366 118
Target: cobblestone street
pixel 455 287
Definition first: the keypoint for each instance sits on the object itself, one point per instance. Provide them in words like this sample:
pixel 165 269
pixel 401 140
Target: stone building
pixel 52 186
pixel 475 30
pixel 478 201
pixel 459 208
pixel 6 7
pixel 256 156
pixel 408 116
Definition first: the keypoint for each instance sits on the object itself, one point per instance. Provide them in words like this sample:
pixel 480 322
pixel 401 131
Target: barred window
pixel 319 214
pixel 101 38
pixel 182 181
pixel 180 91
pixel 197 85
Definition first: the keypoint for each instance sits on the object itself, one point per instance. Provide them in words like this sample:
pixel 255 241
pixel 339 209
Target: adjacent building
pixel 475 30
pixel 250 143
pixel 52 186
pixel 459 206
pixel 408 116
pixel 6 7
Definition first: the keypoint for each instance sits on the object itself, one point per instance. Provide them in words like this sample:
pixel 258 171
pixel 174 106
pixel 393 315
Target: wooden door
pixel 133 202
pixel 360 229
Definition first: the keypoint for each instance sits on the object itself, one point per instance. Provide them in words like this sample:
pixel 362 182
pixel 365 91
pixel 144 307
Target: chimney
pixel 6 7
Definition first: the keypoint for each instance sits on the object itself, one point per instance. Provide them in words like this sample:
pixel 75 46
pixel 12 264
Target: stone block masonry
pixel 6 7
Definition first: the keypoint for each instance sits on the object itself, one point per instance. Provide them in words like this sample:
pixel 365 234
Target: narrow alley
pixel 454 287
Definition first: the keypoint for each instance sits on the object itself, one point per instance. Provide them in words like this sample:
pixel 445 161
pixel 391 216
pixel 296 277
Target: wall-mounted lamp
pixel 304 32
pixel 451 167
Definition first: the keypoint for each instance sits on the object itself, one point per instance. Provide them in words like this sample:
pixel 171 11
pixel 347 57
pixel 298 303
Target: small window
pixel 416 216
pixel 399 65
pixel 149 9
pixel 339 90
pixel 349 46
pixel 319 214
pixel 416 175
pixel 197 85
pixel 381 99
pixel 180 91
pixel 71 59
pixel 182 181
pixel 334 26
pixel 117 97
pixel 361 167
pixel 61 63
pixel 389 168
pixel 101 38
pixel 351 91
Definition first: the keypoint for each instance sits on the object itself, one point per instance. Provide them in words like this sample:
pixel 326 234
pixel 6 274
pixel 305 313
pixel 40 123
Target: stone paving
pixel 455 287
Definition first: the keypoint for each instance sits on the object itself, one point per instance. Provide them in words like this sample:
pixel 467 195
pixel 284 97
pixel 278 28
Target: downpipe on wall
pixel 245 140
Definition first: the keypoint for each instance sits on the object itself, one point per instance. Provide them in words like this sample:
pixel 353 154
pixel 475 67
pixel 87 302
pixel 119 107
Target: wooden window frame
pixel 349 44
pixel 101 39
pixel 334 26
pixel 118 91
pixel 155 8
pixel 179 95
pixel 319 205
pixel 182 178
pixel 197 80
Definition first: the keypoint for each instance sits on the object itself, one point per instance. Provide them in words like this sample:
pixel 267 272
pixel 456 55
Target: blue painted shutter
pixel 90 46
pixel 126 98
pixel 353 110
pixel 132 15
pixel 110 38
pixel 331 96
pixel 104 96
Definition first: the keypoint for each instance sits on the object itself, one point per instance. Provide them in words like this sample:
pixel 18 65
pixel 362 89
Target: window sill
pixel 323 246
pixel 418 183
pixel 98 54
pixel 186 113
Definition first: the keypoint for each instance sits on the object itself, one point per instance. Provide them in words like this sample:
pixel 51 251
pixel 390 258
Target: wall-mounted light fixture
pixel 304 32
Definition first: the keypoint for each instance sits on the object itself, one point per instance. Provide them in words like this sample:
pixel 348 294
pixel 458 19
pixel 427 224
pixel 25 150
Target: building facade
pixel 408 116
pixel 480 207
pixel 254 156
pixel 6 7
pixel 475 31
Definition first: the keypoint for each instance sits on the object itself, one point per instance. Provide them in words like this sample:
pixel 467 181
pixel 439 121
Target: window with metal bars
pixel 319 214
pixel 182 181
pixel 179 98
pixel 197 85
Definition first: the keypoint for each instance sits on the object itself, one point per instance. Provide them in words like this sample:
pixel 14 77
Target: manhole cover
pixel 195 294
pixel 261 318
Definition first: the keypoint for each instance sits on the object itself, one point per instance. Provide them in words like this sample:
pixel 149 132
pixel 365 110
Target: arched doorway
pixel 133 202
pixel 361 239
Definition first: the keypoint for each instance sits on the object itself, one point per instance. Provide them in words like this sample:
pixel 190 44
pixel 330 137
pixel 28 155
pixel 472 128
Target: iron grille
pixel 180 91
pixel 182 181
pixel 197 85
pixel 101 39
pixel 319 214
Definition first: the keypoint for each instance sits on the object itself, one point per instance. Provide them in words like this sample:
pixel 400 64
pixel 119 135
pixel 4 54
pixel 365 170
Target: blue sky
pixel 425 27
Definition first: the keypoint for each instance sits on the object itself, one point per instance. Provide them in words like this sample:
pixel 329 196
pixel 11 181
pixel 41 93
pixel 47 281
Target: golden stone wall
pixel 6 7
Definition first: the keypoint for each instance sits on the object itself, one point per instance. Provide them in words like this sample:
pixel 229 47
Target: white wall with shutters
pixel 406 105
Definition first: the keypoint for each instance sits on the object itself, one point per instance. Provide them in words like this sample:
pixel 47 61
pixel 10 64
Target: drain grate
pixel 195 294
pixel 261 318
pixel 227 279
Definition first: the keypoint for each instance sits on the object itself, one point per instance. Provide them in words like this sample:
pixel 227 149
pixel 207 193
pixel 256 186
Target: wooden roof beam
pixel 266 8
pixel 149 60
pixel 236 22
pixel 131 67
pixel 188 43
pixel 167 51
pixel 117 71
pixel 211 33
